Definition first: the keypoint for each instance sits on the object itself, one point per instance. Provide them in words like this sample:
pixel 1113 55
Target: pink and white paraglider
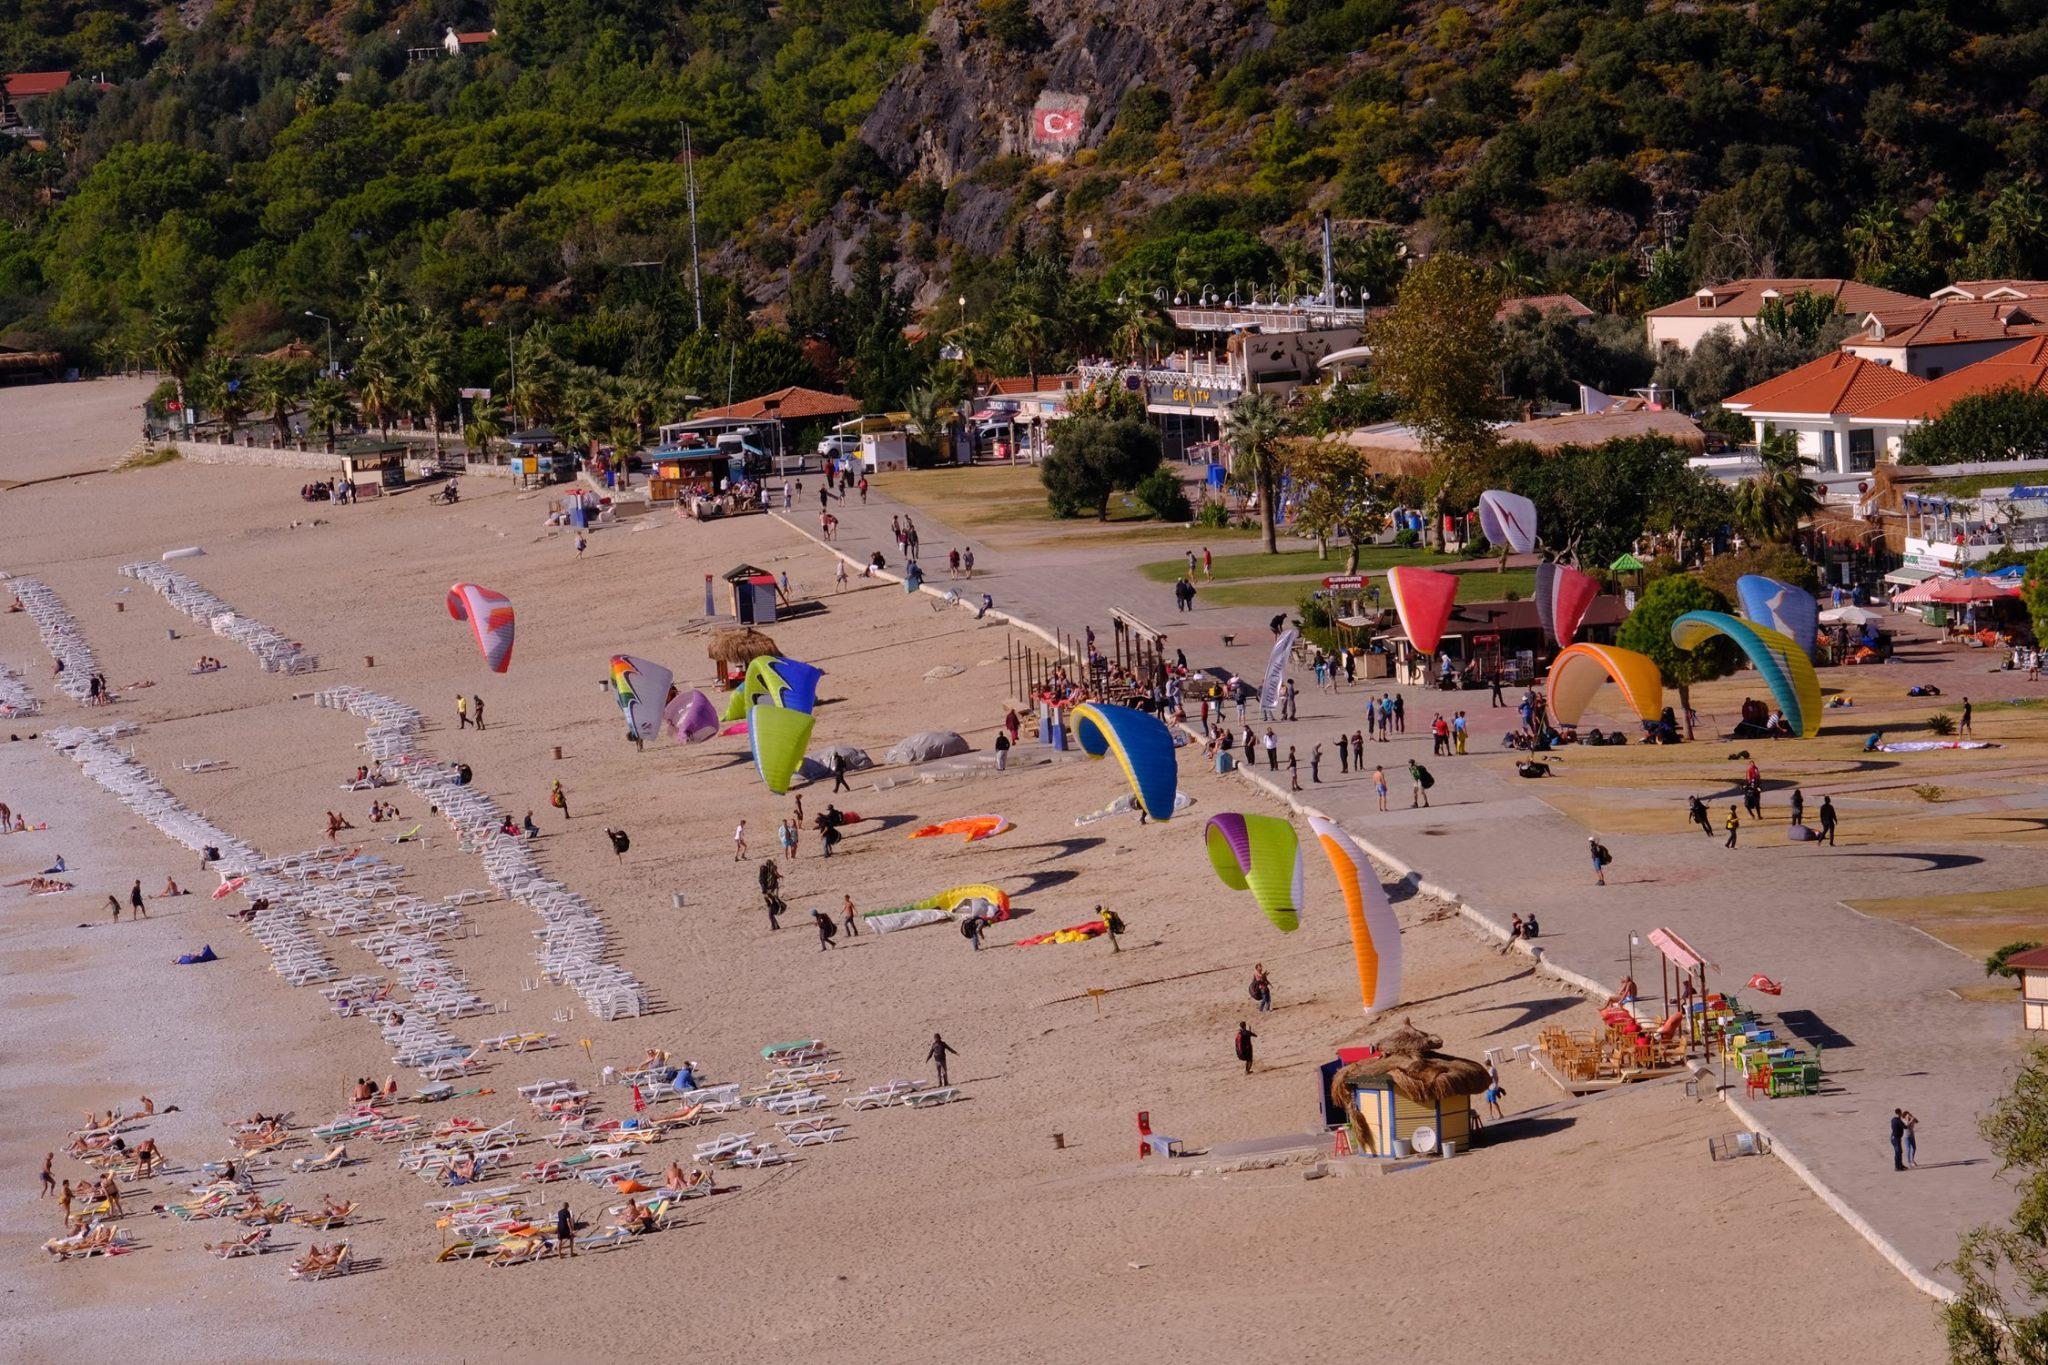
pixel 490 616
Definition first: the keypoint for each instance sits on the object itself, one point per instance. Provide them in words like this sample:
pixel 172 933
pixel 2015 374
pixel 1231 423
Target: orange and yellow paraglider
pixel 1375 933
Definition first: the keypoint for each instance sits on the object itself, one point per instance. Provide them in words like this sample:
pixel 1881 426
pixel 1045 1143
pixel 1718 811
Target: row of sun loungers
pixel 61 636
pixel 273 651
pixel 572 937
pixel 15 698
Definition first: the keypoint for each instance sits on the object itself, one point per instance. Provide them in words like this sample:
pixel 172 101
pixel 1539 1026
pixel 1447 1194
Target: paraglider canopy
pixel 642 690
pixel 1423 599
pixel 1143 748
pixel 1375 933
pixel 1260 854
pixel 1508 519
pixel 1578 671
pixel 1777 658
pixel 490 617
pixel 1562 596
pixel 1781 607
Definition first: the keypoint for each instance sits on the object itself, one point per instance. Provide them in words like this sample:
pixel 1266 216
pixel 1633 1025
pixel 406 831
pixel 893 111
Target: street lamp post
pixel 330 338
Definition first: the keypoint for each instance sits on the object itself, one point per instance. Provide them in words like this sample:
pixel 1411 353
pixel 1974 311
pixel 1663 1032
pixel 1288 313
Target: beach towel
pixel 205 954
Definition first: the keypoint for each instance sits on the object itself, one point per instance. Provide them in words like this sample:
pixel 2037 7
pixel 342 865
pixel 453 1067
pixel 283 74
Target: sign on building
pixel 1057 122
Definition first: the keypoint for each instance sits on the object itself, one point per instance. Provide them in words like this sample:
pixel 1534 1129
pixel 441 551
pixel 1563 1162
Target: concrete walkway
pixel 1880 998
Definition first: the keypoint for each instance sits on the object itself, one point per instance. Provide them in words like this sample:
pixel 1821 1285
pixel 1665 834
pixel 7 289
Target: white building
pixel 1734 306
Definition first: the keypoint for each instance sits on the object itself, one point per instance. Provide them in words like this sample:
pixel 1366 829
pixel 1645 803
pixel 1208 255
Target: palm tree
pixel 1257 428
pixel 329 407
pixel 275 387
pixel 429 374
pixel 1138 326
pixel 220 387
pixel 1027 335
pixel 1772 505
pixel 929 417
pixel 167 346
pixel 485 426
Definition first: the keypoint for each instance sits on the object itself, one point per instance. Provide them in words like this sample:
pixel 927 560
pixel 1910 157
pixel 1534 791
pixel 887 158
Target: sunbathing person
pixel 318 1259
pixel 171 888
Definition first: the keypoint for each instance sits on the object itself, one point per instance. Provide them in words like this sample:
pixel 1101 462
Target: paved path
pixel 1879 995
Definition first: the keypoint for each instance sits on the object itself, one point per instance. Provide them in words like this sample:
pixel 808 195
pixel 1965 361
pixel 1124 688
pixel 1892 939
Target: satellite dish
pixel 1423 1139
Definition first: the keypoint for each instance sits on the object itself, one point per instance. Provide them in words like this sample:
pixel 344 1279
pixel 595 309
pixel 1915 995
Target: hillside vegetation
pixel 249 162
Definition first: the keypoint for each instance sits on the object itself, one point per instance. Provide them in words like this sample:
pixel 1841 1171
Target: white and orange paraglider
pixel 1375 932
pixel 1508 519
pixel 1423 599
pixel 490 615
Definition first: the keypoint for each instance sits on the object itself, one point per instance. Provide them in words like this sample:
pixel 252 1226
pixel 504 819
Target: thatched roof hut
pixel 735 649
pixel 1410 1085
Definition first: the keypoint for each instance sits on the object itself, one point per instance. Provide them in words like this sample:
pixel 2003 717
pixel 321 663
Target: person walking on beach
pixel 49 1180
pixel 558 799
pixel 839 772
pixel 1343 755
pixel 1964 727
pixel 476 711
pixel 1400 714
pixel 565 1232
pixel 64 1198
pixel 1208 563
pixel 1798 806
pixel 1732 824
pixel 1498 700
pixel 1457 731
pixel 1262 988
pixel 1379 784
pixel 1495 1091
pixel 739 842
pixel 620 843
pixel 1420 782
pixel 1242 1045
pixel 1601 858
pixel 1898 1139
pixel 1696 811
pixel 1002 751
pixel 1827 822
pixel 1753 799
pixel 1315 764
pixel 1272 747
pixel 971 928
pixel 135 900
pixel 827 930
pixel 1293 771
pixel 1111 926
pixel 1358 750
pixel 114 905
pixel 937 1054
pixel 852 924
pixel 1912 1138
pixel 461 712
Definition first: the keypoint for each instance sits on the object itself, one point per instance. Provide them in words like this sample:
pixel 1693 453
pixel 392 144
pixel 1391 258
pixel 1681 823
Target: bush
pixel 1011 23
pixel 1162 495
pixel 1942 723
pixel 1406 538
pixel 1995 964
pixel 1212 514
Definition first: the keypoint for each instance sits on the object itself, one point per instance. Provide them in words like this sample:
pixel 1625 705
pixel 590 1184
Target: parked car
pixel 839 446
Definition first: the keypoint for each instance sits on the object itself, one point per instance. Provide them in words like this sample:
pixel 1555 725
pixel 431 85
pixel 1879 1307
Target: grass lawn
pixel 1229 568
pixel 1975 921
pixel 1007 504
pixel 1472 587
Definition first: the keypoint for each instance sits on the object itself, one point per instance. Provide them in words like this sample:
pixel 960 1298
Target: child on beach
pixel 739 842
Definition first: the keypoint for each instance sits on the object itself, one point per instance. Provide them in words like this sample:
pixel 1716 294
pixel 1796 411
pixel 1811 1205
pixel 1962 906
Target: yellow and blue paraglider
pixel 1375 933
pixel 1260 854
pixel 1143 748
pixel 789 683
pixel 1777 657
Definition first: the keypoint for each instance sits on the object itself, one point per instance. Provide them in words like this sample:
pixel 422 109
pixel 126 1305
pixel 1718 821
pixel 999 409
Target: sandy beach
pixel 920 1236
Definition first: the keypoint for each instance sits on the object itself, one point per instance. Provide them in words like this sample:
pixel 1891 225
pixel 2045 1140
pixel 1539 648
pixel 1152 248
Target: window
pixel 1862 449
pixel 1827 451
pixel 1935 371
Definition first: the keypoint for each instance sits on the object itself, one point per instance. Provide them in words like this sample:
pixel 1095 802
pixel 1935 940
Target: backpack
pixel 1423 776
pixel 1600 852
pixel 1116 924
pixel 828 928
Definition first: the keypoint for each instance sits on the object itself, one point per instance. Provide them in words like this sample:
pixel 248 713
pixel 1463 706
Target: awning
pixel 1909 575
pixel 1676 950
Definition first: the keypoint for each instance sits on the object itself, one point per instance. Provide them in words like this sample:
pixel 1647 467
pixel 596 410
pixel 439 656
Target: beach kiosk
pixel 885 450
pixel 753 594
pixel 1412 1099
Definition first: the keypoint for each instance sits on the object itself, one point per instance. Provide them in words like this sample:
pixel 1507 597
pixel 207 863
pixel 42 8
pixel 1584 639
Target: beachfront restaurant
pixel 1484 638
pixel 690 472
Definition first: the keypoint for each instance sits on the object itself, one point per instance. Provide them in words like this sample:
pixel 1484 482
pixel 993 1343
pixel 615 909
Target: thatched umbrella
pixel 1409 1059
pixel 738 648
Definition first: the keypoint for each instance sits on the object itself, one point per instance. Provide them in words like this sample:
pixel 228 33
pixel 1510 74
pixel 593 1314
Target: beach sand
pixel 926 1235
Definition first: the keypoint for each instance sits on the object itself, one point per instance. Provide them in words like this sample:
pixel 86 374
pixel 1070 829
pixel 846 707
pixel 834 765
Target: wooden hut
pixel 732 650
pixel 1409 1087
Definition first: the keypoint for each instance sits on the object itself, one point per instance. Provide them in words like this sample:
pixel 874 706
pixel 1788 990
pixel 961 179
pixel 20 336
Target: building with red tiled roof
pixel 1993 289
pixel 2023 366
pixel 793 404
pixel 1817 403
pixel 1009 385
pixel 28 85
pixel 1546 304
pixel 1941 336
pixel 456 43
pixel 1735 305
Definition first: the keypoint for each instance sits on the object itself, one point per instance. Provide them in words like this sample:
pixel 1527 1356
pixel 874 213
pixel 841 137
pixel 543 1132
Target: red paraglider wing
pixel 490 615
pixel 1423 599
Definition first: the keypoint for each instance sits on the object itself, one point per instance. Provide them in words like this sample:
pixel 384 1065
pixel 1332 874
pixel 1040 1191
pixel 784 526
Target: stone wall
pixel 272 457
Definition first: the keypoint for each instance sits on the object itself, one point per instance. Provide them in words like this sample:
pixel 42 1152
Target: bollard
pixel 558 751
pixel 120 606
pixel 678 900
pixel 369 661
pixel 1059 1142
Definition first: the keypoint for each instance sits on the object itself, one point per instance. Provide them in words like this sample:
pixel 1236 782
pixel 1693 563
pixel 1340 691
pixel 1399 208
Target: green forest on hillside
pixel 284 154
